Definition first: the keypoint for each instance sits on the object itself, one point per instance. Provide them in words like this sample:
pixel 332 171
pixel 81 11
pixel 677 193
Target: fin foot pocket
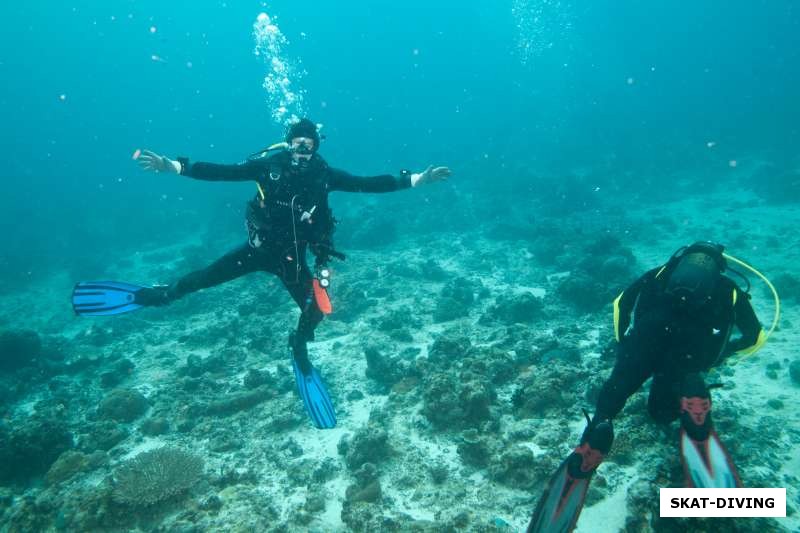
pixel 153 296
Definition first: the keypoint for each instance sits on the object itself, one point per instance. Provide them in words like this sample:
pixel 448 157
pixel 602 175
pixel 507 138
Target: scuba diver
pixel 684 315
pixel 288 214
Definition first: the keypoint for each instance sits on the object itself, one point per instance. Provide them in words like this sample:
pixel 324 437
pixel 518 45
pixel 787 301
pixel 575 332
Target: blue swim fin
pixel 315 397
pixel 103 298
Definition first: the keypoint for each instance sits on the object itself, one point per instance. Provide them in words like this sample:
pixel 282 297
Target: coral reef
pixel 461 400
pixel 458 378
pixel 794 371
pixel 122 405
pixel 18 349
pixel 369 445
pixel 28 451
pixel 384 370
pixel 156 475
pixel 522 308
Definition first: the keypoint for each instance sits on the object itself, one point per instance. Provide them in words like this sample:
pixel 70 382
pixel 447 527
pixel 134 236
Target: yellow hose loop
pixel 762 337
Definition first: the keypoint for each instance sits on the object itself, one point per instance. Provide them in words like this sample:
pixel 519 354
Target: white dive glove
pixel 430 175
pixel 157 163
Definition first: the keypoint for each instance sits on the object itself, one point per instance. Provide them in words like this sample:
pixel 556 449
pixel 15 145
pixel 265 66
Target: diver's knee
pixel 663 415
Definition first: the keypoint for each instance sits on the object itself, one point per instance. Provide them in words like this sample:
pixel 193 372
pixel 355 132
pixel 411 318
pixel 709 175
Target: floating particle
pixel 631 81
pixel 188 64
pixel 711 144
pixel 152 29
pixel 136 154
pixel 62 97
pixel 732 163
pixel 158 59
pixel 415 51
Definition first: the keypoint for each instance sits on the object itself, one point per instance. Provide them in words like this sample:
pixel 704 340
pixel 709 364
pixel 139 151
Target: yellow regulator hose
pixel 762 338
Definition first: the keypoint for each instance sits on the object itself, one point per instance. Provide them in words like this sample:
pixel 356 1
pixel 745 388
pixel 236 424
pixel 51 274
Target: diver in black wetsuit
pixel 684 314
pixel 289 213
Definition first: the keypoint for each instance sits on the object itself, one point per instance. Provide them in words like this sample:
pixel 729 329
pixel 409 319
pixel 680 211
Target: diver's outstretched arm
pixel 339 180
pixel 249 170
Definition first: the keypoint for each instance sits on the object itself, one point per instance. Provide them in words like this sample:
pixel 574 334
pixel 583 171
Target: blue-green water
pixel 641 126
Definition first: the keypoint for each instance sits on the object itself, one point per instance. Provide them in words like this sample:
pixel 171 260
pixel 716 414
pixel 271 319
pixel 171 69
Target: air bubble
pixel 285 101
pixel 541 25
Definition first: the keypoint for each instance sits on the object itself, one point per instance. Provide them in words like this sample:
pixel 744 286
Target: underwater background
pixel 588 141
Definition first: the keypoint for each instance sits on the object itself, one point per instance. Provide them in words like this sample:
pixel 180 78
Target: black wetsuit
pixel 288 213
pixel 669 344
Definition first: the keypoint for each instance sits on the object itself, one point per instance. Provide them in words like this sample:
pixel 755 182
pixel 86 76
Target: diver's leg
pixel 237 263
pixel 663 403
pixel 559 507
pixel 310 317
pixel 633 367
pixel 298 281
pixel 631 370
